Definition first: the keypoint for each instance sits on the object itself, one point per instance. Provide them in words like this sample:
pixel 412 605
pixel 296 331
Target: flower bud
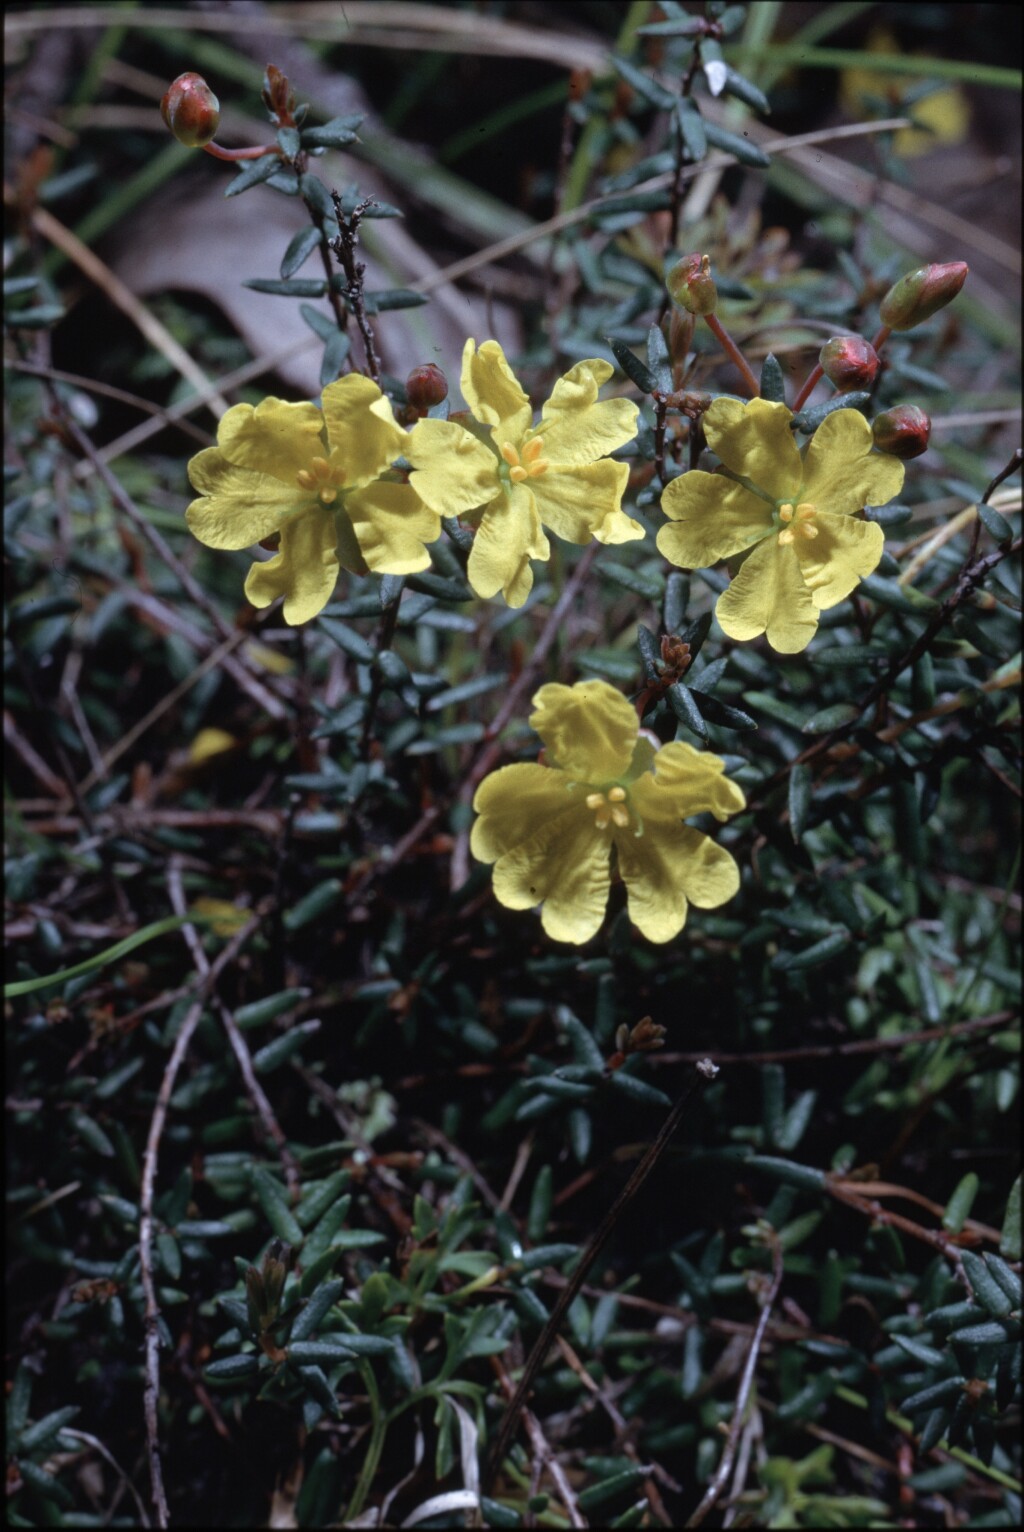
pixel 921 293
pixel 425 386
pixel 902 432
pixel 849 362
pixel 191 110
pixel 691 285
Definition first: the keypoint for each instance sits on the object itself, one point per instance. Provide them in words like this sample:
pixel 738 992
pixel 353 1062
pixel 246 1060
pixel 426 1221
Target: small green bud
pixel 691 285
pixel 191 110
pixel 849 362
pixel 902 432
pixel 921 293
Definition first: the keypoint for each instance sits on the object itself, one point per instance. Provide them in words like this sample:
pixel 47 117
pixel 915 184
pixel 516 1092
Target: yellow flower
pixel 792 510
pixel 552 830
pixel 317 480
pixel 522 478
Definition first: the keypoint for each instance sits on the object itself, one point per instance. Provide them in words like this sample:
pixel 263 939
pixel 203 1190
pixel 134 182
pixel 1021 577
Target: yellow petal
pixel 590 729
pixel 208 743
pixel 361 429
pixel 685 781
pixel 304 570
pixel 580 503
pixel 712 519
pixel 563 865
pixel 508 537
pixel 274 438
pixel 667 871
pixel 842 473
pixel 493 392
pixel 754 441
pixel 512 801
pixel 453 471
pixel 391 524
pixel 844 551
pixel 577 429
pixel 238 507
pixel 768 595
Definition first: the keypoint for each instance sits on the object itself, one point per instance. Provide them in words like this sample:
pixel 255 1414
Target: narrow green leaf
pixel 275 1207
pixel 692 129
pixel 118 950
pixel 810 419
pixel 253 174
pixel 1010 1240
pixel 300 248
pixel 649 90
pixel 637 371
pixel 741 148
pixel 959 1205
pixel 812 957
pixel 988 1292
pixel 335 134
pixel 316 903
pixel 682 703
pixel 997 526
pixel 773 385
pixel 830 718
pixel 800 795
pixel 721 713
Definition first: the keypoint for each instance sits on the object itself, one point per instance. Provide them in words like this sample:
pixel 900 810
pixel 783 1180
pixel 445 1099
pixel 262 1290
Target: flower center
pixel 528 464
pixel 798 521
pixel 320 477
pixel 609 808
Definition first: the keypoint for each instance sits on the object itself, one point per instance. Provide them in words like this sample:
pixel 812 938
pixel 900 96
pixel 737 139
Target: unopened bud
pixel 902 432
pixel 691 285
pixel 921 293
pixel 191 110
pixel 849 362
pixel 425 386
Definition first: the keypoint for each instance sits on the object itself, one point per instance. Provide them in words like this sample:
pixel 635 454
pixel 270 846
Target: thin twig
pixel 703 1072
pixel 239 1048
pixel 718 1483
pixel 151 1352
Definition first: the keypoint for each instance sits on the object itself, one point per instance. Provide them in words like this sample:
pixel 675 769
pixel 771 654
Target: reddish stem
pixel 733 352
pixel 240 154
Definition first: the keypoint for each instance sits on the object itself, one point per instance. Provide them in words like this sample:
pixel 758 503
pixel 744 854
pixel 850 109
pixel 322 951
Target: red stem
pixel 240 154
pixel 733 352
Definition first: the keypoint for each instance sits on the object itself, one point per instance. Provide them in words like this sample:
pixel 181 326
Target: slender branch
pixel 718 1483
pixel 151 1352
pixel 705 1070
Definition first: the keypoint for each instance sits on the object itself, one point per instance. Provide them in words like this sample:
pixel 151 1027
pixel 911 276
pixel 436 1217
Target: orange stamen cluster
pixel 798 519
pixel 322 478
pixel 528 464
pixel 609 808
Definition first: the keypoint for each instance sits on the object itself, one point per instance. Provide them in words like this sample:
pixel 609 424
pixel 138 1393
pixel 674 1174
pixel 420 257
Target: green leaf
pixel 649 586
pixel 801 781
pixel 745 90
pixel 231 1368
pixel 275 1207
pixel 313 905
pixel 812 957
pixel 787 1171
pixel 258 1012
pixel 721 713
pixel 118 950
pixel 988 1292
pixel 810 420
pixel 997 526
pixel 1010 1241
pixel 959 1205
pixel 773 385
pixel 354 644
pixel 300 248
pixel 649 90
pixel 314 1311
pixel 637 371
pixel 393 298
pixel 335 134
pixel 295 287
pixel 741 148
pixel 692 129
pixel 900 598
pixel 253 174
pixel 829 718
pixel 682 703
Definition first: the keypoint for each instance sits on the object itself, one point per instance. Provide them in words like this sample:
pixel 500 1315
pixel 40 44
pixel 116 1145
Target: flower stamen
pixel 609 808
pixel 321 478
pixel 529 464
pixel 799 521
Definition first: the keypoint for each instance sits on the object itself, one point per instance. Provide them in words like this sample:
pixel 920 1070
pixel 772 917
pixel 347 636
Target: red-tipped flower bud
pixel 425 386
pixel 902 432
pixel 691 285
pixel 191 110
pixel 849 362
pixel 921 293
